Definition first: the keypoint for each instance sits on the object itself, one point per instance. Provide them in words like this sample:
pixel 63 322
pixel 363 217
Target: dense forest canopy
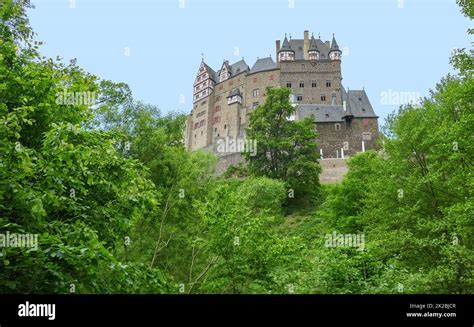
pixel 119 206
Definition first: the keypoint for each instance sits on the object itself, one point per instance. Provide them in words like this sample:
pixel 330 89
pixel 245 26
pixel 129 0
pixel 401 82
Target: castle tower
pixel 286 53
pixel 199 129
pixel 334 52
pixel 313 51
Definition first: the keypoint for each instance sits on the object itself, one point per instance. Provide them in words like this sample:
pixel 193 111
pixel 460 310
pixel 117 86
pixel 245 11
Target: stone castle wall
pixel 332 140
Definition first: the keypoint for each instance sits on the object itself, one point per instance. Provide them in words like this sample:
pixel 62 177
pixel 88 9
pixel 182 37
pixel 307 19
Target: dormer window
pixel 224 74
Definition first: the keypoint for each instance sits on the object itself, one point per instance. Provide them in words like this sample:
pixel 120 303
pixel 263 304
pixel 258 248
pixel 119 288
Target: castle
pixel 223 99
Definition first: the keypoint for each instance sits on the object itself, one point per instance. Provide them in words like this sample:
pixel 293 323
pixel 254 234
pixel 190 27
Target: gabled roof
pixel 226 65
pixel 210 71
pixel 359 104
pixel 238 67
pixel 263 64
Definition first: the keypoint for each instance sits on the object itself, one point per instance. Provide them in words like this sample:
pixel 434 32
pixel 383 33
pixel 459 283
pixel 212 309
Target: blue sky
pixel 397 45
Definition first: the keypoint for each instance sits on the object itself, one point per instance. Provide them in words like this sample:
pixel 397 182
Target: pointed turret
pixel 313 52
pixel 286 53
pixel 334 52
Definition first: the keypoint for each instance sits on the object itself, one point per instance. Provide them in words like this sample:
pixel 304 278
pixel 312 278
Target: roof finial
pixel 202 56
pixel 290 36
pixel 319 35
pixel 285 34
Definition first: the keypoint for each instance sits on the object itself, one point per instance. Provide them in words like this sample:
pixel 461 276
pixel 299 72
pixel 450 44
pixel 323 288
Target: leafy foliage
pixel 119 206
pixel 287 149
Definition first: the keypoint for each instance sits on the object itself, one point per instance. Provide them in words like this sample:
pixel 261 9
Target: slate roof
pixel 356 101
pixel 238 67
pixel 359 104
pixel 263 64
pixel 211 72
pixel 321 112
pixel 334 45
pixel 312 44
pixel 234 69
pixel 298 46
pixel 286 45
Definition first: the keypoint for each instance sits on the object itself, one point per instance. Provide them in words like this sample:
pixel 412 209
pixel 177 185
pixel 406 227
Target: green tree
pixel 62 181
pixel 246 255
pixel 287 149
